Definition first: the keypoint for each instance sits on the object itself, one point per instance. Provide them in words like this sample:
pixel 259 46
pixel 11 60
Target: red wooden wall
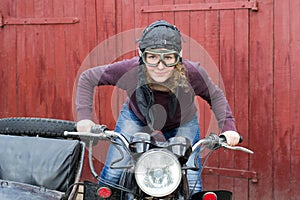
pixel 44 44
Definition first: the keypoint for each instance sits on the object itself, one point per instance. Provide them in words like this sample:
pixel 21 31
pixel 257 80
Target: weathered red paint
pixel 37 21
pixel 257 54
pixel 231 5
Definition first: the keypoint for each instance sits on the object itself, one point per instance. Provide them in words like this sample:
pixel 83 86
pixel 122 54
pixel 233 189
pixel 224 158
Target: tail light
pixel 104 192
pixel 210 196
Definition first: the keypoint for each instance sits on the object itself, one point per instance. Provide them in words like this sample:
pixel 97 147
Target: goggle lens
pixel 153 58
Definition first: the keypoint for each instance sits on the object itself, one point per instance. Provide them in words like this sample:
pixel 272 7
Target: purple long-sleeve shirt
pixel 124 74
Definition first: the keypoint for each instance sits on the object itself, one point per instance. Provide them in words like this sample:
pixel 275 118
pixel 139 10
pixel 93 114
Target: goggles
pixel 153 57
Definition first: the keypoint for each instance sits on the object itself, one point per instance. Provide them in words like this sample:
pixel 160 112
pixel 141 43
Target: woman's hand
pixel 232 137
pixel 84 125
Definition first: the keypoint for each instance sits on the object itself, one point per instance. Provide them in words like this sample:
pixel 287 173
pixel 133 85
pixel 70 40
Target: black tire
pixel 43 127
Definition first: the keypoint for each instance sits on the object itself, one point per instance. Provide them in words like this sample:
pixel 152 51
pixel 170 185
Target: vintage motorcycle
pixel 157 169
pixel 42 159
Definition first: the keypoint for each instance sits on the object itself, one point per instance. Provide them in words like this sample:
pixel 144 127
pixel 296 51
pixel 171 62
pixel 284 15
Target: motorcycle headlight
pixel 158 172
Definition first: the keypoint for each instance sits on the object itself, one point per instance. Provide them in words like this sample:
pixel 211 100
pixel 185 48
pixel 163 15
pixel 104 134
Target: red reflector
pixel 104 192
pixel 209 196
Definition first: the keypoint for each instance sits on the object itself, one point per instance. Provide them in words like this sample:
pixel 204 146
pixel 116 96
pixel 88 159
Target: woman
pixel 161 87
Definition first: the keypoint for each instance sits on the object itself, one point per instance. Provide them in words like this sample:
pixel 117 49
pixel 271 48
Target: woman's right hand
pixel 84 125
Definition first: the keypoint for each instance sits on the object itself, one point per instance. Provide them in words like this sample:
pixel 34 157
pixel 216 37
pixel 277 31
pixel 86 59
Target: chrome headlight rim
pixel 170 161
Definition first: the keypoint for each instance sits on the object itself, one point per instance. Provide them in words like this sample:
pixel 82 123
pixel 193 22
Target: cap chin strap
pixel 140 52
pixel 180 54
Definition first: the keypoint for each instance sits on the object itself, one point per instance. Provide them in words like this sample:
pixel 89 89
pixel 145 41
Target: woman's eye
pixel 169 57
pixel 151 57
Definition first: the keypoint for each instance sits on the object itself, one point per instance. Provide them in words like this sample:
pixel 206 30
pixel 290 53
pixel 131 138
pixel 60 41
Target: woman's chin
pixel 160 79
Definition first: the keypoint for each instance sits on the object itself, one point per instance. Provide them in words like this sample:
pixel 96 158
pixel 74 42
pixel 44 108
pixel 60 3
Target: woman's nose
pixel 160 65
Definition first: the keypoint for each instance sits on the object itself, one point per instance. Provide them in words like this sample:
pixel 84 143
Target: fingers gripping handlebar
pixel 99 129
pixel 224 138
pixel 213 141
pixel 238 148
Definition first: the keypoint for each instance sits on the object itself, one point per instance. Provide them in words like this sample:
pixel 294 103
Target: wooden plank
pixel 50 10
pixel 152 17
pixel 202 6
pixel 107 23
pixel 39 21
pixel 50 61
pixel 25 68
pixel 197 54
pixel 180 21
pixel 128 48
pixel 72 55
pixel 282 102
pixel 155 16
pixel 227 70
pixel 4 76
pixel 141 19
pixel 261 99
pixel 39 64
pixel 294 97
pixel 8 69
pixel 87 36
pixel 211 45
pixel 241 111
pixel 82 47
pixel 168 16
pixel 60 74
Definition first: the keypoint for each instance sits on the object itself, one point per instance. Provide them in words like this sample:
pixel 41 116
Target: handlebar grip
pixel 98 129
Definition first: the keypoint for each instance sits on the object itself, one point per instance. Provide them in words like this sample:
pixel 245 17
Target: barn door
pixel 44 43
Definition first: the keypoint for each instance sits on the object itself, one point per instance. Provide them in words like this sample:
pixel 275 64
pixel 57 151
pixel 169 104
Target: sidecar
pixel 37 162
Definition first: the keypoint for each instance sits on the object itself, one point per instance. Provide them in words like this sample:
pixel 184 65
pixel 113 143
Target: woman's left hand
pixel 232 137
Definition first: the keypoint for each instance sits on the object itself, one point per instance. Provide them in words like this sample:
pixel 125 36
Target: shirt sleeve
pixel 213 95
pixel 112 74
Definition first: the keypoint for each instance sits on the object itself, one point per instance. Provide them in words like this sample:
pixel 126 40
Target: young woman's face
pixel 156 64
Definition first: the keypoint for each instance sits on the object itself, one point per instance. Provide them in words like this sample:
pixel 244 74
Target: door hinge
pixel 37 21
pixel 251 5
pixel 252 175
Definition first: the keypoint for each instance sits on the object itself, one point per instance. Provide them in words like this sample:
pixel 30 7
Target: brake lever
pixel 236 148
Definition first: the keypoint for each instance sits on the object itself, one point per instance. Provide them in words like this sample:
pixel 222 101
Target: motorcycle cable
pixel 116 145
pixel 114 185
pixel 203 165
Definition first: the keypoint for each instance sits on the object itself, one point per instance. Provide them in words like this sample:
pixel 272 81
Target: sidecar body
pixel 33 167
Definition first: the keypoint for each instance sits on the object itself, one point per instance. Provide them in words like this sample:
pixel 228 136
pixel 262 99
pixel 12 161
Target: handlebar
pixel 212 141
pixel 100 132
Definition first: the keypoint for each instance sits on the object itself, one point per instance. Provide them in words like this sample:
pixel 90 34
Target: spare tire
pixel 44 127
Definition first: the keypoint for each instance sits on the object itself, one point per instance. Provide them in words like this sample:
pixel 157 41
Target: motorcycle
pixel 42 159
pixel 158 168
